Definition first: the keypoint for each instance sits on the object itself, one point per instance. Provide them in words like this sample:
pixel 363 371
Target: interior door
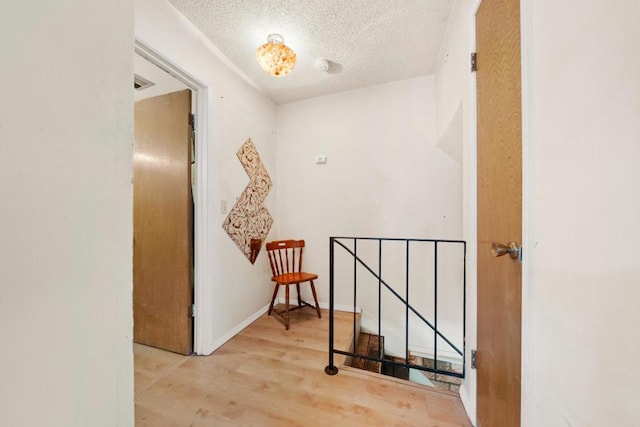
pixel 499 212
pixel 162 223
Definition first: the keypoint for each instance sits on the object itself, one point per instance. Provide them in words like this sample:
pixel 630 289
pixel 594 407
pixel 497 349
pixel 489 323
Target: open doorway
pixel 163 155
pixel 160 84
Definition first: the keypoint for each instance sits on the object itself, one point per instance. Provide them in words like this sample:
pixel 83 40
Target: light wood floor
pixel 266 376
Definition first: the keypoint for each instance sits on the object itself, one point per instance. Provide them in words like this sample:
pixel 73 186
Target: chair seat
pixel 293 278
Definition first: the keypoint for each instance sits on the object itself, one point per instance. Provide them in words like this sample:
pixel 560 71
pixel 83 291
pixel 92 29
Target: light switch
pixel 321 159
pixel 223 206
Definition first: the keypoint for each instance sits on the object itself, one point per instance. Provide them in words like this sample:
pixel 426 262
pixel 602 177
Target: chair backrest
pixel 285 256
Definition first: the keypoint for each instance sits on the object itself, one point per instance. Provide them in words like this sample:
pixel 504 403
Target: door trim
pixel 470 157
pixel 527 192
pixel 202 222
pixel 527 202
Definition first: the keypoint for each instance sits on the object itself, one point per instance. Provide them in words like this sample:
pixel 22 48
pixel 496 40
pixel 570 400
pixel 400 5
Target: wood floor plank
pixel 267 376
pixel 151 363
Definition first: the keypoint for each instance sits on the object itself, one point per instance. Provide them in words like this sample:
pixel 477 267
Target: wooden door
pixel 499 212
pixel 162 223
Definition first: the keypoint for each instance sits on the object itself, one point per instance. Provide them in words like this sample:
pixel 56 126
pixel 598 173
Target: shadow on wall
pixel 450 142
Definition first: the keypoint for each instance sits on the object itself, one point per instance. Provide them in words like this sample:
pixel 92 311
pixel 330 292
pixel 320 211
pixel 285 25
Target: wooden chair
pixel 285 257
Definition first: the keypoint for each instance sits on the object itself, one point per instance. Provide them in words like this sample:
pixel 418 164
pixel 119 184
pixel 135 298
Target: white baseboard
pixel 239 327
pixel 340 307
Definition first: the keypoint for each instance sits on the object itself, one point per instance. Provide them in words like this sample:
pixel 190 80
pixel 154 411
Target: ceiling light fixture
pixel 275 57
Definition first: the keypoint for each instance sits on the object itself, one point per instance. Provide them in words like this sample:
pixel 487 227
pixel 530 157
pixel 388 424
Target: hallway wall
pixel 65 236
pixel 583 206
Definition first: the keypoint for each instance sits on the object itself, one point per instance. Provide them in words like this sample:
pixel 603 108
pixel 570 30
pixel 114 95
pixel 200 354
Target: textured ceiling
pixel 367 41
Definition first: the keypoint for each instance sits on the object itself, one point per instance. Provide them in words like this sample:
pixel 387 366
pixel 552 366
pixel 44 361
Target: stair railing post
pixel 331 369
pixel 406 306
pixel 435 305
pixel 464 308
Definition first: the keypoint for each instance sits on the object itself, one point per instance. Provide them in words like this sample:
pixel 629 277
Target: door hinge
pixel 192 121
pixel 474 62
pixel 193 310
pixel 474 359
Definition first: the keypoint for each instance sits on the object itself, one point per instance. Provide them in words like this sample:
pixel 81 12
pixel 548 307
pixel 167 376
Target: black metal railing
pixel 331 369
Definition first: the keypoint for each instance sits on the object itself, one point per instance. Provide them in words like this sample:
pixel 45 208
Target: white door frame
pixel 527 202
pixel 201 214
pixel 470 158
pixel 527 191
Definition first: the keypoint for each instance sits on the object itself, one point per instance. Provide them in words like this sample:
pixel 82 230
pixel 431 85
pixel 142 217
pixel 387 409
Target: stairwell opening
pixel 372 345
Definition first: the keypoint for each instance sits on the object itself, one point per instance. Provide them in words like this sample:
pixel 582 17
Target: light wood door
pixel 162 223
pixel 499 211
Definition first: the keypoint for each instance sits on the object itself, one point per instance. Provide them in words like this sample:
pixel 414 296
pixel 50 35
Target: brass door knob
pixel 511 248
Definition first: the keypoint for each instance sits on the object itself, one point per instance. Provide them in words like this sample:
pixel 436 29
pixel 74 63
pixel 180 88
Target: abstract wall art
pixel 249 221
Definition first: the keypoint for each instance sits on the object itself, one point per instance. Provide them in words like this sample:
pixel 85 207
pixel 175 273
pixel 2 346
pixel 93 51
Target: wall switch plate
pixel 223 206
pixel 321 159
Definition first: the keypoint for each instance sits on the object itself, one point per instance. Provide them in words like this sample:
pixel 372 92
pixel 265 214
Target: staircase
pixel 371 345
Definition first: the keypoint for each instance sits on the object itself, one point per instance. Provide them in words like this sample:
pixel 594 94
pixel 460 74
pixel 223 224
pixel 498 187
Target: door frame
pixel 201 220
pixel 527 192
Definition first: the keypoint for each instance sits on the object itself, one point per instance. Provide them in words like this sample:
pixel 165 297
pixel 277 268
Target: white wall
pixel 65 185
pixel 384 175
pixel 453 65
pixel 583 99
pixel 234 290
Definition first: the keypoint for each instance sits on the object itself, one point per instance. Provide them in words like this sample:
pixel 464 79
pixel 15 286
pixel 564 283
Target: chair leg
pixel 273 298
pixel 299 297
pixel 286 314
pixel 315 299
